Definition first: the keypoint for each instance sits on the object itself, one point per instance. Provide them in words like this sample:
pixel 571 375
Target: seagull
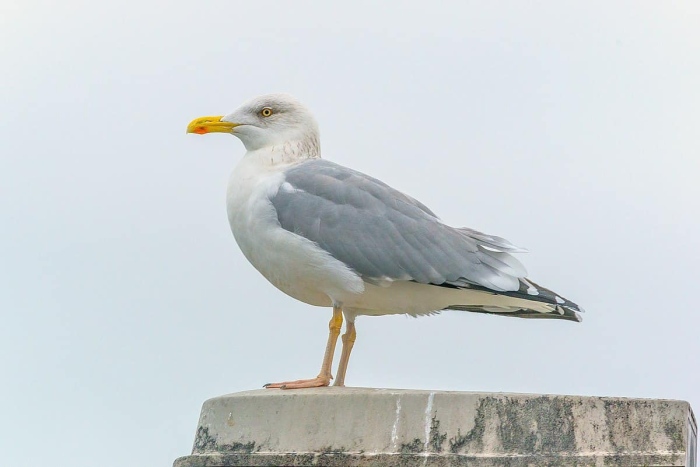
pixel 334 237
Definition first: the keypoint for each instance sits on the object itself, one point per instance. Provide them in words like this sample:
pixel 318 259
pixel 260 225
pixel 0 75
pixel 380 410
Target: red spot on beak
pixel 200 130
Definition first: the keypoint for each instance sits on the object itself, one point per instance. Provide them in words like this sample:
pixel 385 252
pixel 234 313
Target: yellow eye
pixel 266 112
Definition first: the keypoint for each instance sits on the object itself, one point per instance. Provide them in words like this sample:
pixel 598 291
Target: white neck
pixel 289 152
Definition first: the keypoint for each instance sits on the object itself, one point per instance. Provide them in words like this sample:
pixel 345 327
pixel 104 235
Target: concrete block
pixel 390 427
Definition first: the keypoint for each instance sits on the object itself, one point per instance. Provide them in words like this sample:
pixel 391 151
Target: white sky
pixel 570 129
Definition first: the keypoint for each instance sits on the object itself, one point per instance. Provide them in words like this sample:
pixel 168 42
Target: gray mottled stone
pixel 387 427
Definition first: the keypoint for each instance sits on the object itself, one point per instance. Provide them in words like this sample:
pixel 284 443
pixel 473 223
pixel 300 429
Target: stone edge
pixel 335 459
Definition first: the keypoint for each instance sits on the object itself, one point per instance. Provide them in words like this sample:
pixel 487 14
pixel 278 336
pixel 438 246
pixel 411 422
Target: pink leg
pixel 348 342
pixel 324 377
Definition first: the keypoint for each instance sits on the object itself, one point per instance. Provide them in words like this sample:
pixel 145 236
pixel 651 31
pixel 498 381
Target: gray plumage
pixel 382 234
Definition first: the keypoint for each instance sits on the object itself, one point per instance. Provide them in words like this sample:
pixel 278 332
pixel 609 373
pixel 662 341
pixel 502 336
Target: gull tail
pixel 529 301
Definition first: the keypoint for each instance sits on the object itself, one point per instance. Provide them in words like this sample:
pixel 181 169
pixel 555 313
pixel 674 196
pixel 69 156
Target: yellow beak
pixel 204 125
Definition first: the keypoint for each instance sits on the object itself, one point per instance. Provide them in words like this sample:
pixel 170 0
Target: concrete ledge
pixel 387 427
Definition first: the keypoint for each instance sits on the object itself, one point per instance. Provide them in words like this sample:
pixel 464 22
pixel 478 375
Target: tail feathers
pixel 544 303
pixel 556 312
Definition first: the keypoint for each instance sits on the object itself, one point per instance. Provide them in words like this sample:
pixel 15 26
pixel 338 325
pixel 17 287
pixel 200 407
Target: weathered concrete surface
pixel 388 427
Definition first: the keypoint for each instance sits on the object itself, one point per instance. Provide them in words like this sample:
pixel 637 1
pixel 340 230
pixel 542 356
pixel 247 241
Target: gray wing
pixel 383 234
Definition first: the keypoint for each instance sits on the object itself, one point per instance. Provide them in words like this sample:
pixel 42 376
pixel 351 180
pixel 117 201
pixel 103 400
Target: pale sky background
pixel 570 128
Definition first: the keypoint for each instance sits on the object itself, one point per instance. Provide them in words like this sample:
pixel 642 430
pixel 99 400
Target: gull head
pixel 269 121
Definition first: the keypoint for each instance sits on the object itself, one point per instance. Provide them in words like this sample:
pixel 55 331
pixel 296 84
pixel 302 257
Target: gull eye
pixel 266 112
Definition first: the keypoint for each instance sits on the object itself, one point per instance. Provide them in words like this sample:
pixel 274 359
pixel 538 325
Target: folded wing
pixel 385 235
